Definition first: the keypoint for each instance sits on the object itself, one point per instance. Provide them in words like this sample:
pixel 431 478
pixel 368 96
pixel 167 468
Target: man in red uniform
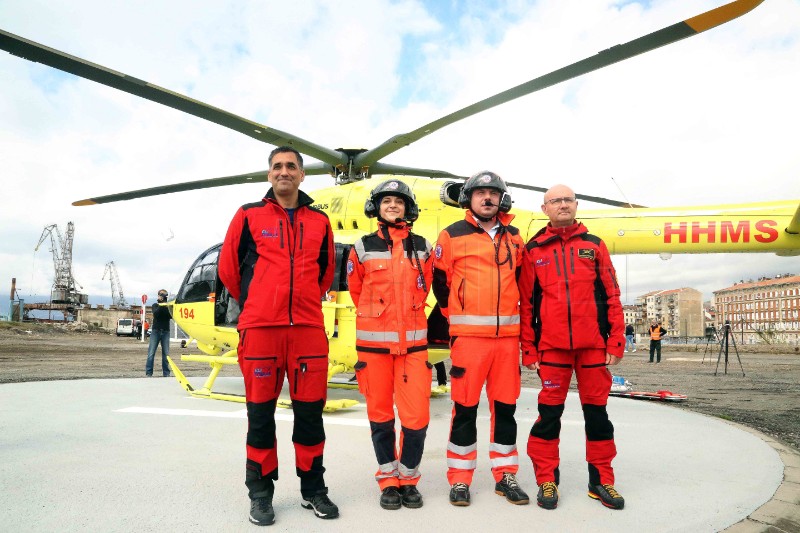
pixel 476 266
pixel 389 275
pixel 571 319
pixel 278 262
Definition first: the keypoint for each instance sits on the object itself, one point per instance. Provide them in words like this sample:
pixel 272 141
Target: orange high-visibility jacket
pixel 656 332
pixel 385 282
pixel 475 277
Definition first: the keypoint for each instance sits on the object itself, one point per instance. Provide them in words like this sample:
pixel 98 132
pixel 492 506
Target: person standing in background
pixel 160 334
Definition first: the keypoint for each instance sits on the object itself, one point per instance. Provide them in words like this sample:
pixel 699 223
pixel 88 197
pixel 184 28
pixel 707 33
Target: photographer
pixel 161 319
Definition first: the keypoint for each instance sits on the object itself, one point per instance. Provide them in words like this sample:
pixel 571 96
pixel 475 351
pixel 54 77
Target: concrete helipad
pixel 141 455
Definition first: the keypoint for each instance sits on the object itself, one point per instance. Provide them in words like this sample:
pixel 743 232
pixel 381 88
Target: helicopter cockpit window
pixel 200 282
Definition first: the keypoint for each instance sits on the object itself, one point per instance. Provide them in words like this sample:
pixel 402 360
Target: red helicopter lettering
pixel 764 231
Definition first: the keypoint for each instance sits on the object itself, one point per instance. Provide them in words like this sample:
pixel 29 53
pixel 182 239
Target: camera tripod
pixel 711 340
pixel 723 347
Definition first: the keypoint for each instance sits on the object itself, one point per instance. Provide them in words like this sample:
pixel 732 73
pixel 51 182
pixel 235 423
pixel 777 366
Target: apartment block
pixel 766 310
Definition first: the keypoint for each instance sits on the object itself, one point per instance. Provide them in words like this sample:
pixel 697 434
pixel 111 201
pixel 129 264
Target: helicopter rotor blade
pixel 670 34
pixel 314 169
pixel 587 197
pixel 39 53
pixel 396 170
pixel 252 177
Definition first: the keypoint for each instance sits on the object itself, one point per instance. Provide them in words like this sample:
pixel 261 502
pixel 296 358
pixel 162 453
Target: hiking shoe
pixel 261 512
pixel 509 488
pixel 607 495
pixel 322 506
pixel 390 498
pixel 411 497
pixel 547 497
pixel 459 494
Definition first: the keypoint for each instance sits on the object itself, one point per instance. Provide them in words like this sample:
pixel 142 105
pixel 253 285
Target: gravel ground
pixel 766 397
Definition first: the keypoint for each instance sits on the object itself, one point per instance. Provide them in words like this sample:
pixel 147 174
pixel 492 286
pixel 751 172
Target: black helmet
pixel 392 188
pixel 485 180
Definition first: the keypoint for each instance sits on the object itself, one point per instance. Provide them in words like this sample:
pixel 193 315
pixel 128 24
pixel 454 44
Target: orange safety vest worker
pixel 655 332
pixel 389 276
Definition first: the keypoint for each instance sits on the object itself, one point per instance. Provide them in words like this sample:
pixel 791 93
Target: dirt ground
pixel 766 398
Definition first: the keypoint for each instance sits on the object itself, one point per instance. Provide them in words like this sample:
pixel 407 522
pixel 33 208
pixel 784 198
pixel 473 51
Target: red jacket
pixel 569 294
pixel 478 296
pixel 389 291
pixel 278 271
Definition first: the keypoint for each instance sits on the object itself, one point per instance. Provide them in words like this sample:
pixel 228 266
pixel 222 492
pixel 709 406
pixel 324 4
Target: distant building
pixel 767 310
pixel 680 311
pixel 631 313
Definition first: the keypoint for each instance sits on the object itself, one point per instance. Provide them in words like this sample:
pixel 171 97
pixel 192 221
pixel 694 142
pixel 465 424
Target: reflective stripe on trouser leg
pixel 412 386
pixel 412 444
pixel 383 439
pixel 594 384
pixel 502 390
pixel 503 455
pixel 462 450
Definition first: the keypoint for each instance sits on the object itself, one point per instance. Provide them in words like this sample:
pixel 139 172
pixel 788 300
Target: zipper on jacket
pixel 566 286
pixel 572 260
pixel 497 309
pixel 280 225
pixel 291 279
pixel 301 235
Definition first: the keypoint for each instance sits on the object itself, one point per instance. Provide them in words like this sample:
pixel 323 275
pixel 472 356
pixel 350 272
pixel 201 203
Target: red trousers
pixel 476 361
pixel 405 380
pixel 594 384
pixel 266 356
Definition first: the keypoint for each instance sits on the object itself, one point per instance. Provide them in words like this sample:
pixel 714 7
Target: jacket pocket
pixel 458 384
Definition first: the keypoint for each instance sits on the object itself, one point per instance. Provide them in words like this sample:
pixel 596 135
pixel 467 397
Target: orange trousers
pixel 476 361
pixel 405 380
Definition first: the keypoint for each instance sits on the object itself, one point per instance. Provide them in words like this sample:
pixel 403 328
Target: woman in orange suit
pixel 389 275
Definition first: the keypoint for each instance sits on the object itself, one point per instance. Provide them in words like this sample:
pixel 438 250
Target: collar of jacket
pixel 549 233
pixel 302 198
pixel 398 232
pixel 504 218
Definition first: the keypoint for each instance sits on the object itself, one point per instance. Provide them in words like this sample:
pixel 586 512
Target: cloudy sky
pixel 711 119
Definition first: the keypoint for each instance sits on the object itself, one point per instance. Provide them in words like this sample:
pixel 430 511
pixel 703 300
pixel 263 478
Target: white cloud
pixel 706 120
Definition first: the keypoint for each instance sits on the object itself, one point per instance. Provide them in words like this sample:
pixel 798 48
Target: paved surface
pixel 140 455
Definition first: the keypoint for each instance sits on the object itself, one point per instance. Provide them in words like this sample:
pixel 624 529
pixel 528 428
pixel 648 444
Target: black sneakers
pixel 322 506
pixel 547 497
pixel 509 488
pixel 459 494
pixel 607 495
pixel 411 497
pixel 261 512
pixel 390 498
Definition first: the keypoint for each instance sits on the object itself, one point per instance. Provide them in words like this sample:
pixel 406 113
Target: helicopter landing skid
pixel 218 361
pixel 439 390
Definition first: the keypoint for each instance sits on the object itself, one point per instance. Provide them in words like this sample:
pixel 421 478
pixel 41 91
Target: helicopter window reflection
pixel 201 279
pixel 340 274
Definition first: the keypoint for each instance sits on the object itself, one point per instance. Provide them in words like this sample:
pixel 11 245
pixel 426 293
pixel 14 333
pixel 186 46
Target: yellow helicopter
pixel 204 311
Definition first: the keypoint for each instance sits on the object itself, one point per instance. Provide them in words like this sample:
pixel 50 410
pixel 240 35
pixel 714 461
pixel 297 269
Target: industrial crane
pixel 117 297
pixel 64 291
